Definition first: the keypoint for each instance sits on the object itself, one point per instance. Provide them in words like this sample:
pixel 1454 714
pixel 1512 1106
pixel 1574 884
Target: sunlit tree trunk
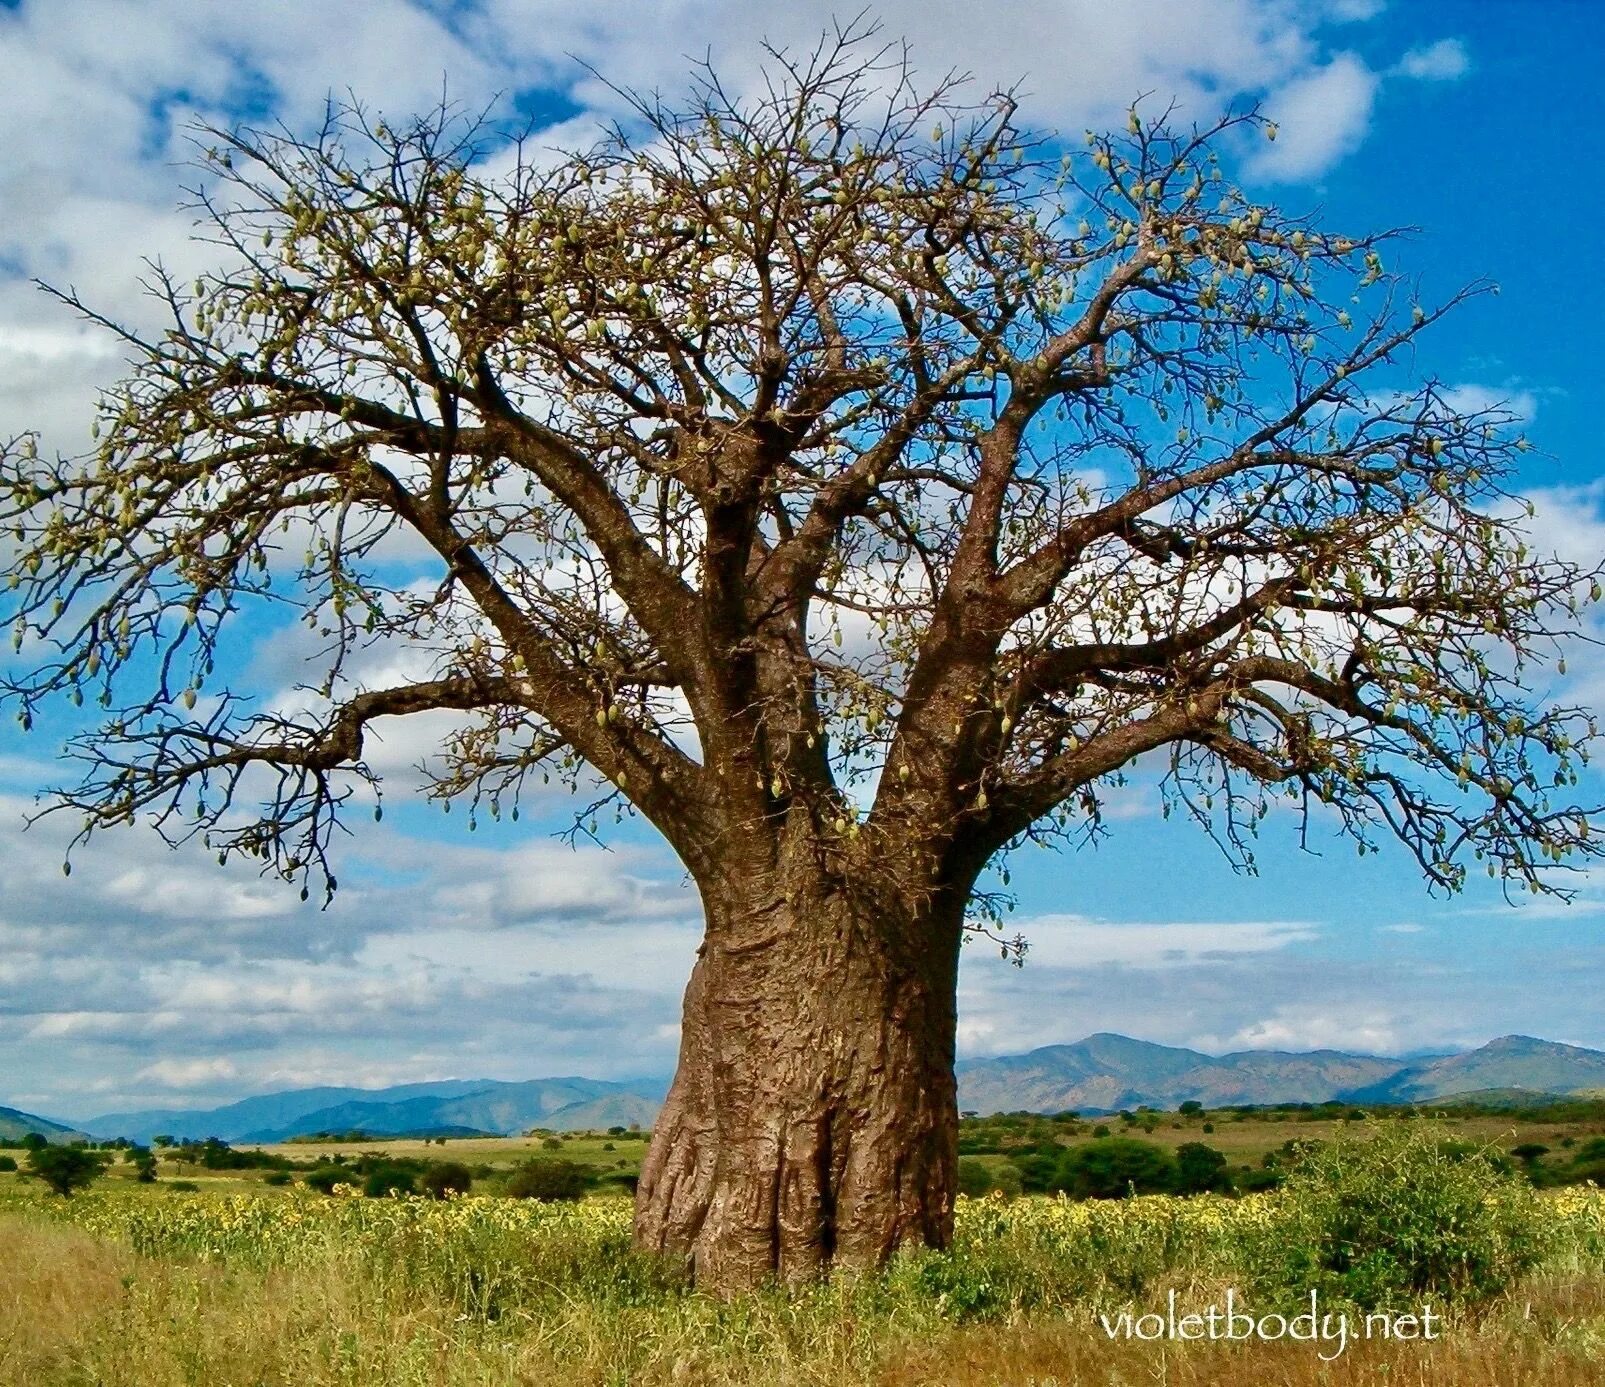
pixel 813 1119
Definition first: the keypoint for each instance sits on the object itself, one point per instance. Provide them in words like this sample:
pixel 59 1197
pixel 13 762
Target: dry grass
pixel 76 1311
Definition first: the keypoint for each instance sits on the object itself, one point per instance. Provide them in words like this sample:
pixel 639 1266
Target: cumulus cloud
pixel 1320 115
pixel 1444 61
pixel 1313 1027
pixel 97 122
pixel 188 1074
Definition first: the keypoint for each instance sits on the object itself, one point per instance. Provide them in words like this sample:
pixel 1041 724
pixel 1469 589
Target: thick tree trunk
pixel 813 1119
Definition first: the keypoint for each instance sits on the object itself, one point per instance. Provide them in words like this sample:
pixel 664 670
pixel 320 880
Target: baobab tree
pixel 845 479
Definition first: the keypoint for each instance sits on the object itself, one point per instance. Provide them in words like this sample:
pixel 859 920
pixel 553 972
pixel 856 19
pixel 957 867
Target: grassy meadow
pixel 240 1283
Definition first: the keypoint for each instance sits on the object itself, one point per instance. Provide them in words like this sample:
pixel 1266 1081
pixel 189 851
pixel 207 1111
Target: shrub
pixel 548 1179
pixel 276 1177
pixel 1037 1171
pixel 975 1177
pixel 1198 1168
pixel 324 1178
pixel 8 1163
pixel 383 1180
pixel 1384 1220
pixel 445 1178
pixel 979 1178
pixel 1114 1168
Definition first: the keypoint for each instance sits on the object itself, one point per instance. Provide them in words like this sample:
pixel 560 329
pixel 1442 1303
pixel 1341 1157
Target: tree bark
pixel 813 1119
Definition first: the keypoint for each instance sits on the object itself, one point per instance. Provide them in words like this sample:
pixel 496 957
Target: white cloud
pixel 187 1074
pixel 1443 61
pixel 1515 400
pixel 1350 11
pixel 1312 1027
pixel 1321 115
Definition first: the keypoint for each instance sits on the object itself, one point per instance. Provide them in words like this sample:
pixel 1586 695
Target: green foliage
pixel 1587 1163
pixel 65 1168
pixel 1397 1217
pixel 978 1178
pixel 386 1178
pixel 548 1179
pixel 324 1178
pixel 8 1163
pixel 1115 1168
pixel 143 1159
pixel 213 1154
pixel 444 1178
pixel 1198 1168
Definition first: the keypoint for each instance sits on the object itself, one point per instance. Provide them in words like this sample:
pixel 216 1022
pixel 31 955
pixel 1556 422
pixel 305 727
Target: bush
pixel 1385 1220
pixel 979 1178
pixel 8 1163
pixel 1199 1168
pixel 1115 1167
pixel 383 1180
pixel 1037 1171
pixel 548 1179
pixel 324 1178
pixel 445 1178
pixel 975 1177
pixel 276 1177
pixel 143 1159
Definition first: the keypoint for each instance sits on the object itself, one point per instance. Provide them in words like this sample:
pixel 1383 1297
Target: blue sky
pixel 152 977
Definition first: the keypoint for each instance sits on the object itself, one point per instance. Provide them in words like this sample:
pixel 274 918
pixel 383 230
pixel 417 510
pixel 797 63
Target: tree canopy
pixel 820 384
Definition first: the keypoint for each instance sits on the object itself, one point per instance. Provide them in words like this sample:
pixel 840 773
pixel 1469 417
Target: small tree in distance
pixel 850 482
pixel 66 1168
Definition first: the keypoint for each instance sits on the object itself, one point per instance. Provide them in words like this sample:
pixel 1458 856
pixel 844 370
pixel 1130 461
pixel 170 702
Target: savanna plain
pixel 220 1271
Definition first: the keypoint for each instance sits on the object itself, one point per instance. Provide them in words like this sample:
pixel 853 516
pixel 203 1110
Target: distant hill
pixel 1511 1062
pixel 15 1125
pixel 1105 1073
pixel 1100 1074
pixel 482 1105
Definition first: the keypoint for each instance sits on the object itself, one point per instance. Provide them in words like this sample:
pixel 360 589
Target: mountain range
pixel 1106 1073
pixel 451 1106
pixel 1100 1074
